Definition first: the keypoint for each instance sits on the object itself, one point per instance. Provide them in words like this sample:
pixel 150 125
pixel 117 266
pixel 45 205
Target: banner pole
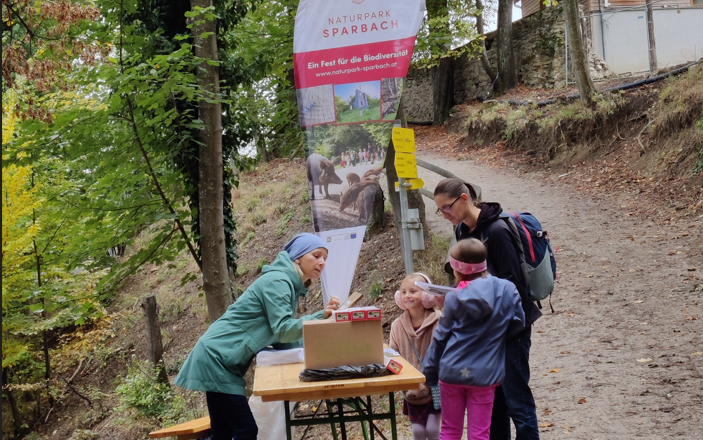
pixel 407 247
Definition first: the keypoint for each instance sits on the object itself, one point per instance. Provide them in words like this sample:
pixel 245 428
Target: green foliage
pixel 242 270
pixel 359 115
pixel 283 223
pixel 252 203
pixel 376 290
pixel 448 31
pixel 141 391
pixel 250 236
pixel 260 264
pixel 698 168
pixel 259 218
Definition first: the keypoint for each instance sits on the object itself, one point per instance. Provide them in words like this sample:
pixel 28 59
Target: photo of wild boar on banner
pixel 351 58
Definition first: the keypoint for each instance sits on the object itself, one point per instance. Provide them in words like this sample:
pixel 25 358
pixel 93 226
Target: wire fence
pixel 621 37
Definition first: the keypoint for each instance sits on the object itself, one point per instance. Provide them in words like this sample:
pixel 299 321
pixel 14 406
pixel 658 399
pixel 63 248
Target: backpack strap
pixel 414 349
pixel 517 242
pixel 527 233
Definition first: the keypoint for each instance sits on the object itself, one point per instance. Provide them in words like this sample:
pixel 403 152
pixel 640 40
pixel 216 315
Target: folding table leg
pixel 343 427
pixel 330 414
pixel 372 425
pixel 391 404
pixel 286 409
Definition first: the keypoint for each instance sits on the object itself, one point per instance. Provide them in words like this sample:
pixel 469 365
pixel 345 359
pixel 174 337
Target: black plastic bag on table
pixel 344 372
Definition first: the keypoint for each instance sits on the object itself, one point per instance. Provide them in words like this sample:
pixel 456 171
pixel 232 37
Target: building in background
pixel 617 32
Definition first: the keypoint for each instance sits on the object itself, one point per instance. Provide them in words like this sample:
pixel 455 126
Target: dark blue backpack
pixel 535 252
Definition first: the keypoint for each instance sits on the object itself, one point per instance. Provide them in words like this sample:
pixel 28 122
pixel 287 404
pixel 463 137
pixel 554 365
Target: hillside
pixel 619 187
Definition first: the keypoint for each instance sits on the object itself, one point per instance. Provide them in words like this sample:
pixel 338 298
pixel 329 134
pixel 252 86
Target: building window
pixel 697 2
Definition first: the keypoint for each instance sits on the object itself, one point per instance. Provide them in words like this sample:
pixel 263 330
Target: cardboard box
pixel 330 344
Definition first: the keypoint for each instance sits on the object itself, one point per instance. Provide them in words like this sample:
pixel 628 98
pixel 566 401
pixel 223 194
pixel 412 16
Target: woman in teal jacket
pixel 262 316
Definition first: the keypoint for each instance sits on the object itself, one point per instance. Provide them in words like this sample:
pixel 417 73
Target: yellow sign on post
pixel 406 165
pixel 414 183
pixel 403 140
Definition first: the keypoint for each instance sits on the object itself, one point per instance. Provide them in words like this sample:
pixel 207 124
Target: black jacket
pixel 503 260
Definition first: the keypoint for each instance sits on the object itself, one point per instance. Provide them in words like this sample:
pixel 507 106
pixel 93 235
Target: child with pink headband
pixel 411 333
pixel 467 353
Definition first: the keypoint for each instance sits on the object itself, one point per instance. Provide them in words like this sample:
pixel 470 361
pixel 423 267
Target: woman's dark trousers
pixel 230 417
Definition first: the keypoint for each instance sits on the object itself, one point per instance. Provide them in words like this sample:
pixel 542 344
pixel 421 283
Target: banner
pixel 350 58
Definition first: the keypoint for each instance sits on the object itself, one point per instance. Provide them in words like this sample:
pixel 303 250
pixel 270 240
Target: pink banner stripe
pixel 365 62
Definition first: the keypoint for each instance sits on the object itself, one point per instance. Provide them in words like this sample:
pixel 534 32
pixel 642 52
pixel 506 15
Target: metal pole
pixel 407 247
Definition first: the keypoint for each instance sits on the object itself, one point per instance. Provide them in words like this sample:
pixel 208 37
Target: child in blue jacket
pixel 467 353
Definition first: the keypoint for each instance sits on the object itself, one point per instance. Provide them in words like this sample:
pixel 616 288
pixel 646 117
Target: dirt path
pixel 622 357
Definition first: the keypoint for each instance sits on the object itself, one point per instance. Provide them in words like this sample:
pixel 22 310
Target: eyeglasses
pixel 446 209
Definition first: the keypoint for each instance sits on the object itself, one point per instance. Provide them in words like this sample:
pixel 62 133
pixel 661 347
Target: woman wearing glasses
pixel 457 202
pixel 262 316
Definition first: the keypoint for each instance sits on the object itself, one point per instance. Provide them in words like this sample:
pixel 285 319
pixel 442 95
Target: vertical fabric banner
pixel 351 58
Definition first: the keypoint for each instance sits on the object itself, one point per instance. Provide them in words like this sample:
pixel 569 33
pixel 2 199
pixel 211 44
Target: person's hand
pixel 331 306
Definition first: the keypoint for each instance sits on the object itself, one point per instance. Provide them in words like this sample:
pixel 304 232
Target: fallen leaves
pixel 581 401
pixel 546 425
pixel 643 360
pixel 556 370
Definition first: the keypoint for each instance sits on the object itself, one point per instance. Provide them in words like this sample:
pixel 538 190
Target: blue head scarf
pixel 303 243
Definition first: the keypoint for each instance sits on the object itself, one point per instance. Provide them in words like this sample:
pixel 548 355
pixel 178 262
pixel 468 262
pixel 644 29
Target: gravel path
pixel 622 357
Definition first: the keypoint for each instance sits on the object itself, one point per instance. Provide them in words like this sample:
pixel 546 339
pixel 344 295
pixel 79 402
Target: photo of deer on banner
pixel 350 58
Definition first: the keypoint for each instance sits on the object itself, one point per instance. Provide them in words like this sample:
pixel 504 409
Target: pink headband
pixel 467 268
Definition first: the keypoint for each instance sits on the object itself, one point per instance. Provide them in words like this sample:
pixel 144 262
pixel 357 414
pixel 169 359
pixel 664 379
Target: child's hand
pixel 331 306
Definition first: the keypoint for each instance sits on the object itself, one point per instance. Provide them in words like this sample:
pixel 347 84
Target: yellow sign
pixel 403 140
pixel 406 165
pixel 415 183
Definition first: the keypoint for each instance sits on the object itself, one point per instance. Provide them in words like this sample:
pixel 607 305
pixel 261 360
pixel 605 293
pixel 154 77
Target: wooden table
pixel 281 382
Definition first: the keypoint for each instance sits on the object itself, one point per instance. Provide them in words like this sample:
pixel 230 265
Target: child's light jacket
pixel 468 347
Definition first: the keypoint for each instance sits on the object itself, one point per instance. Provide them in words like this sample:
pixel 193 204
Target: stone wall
pixel 538 43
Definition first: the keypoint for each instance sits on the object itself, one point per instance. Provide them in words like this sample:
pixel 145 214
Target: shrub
pixel 141 391
pixel 260 264
pixel 376 290
pixel 252 203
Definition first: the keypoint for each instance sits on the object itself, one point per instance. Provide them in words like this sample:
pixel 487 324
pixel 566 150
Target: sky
pixel 372 88
pixel 491 21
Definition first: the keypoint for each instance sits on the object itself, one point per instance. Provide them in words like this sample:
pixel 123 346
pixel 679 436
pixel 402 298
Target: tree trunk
pixel 652 40
pixel 16 417
pixel 577 51
pixel 442 75
pixel 443 89
pixel 484 56
pixel 212 234
pixel 154 345
pixel 507 77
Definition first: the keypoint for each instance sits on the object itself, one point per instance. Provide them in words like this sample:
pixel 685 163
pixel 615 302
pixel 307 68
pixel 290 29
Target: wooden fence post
pixel 155 347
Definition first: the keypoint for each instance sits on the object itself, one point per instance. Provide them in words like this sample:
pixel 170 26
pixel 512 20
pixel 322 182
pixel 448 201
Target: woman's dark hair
pixel 454 188
pixel 469 250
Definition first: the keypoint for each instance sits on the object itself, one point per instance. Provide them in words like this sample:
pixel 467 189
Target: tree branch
pixel 78 394
pixel 152 173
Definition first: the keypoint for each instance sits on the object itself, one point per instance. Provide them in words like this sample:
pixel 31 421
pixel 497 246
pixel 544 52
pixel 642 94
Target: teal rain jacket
pixel 262 316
